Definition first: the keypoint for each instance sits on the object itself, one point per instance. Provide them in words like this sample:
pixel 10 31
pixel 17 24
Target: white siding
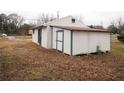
pixel 35 36
pixel 67 41
pixel 44 38
pixel 80 41
pixel 99 39
pixel 49 37
pixel 87 42
pixel 64 21
pixel 83 42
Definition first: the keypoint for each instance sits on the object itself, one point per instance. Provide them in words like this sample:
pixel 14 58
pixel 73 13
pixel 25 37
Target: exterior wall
pixel 83 42
pixel 87 42
pixel 54 38
pixel 99 39
pixel 46 34
pixel 80 41
pixel 44 37
pixel 49 37
pixel 64 21
pixel 66 40
pixel 35 36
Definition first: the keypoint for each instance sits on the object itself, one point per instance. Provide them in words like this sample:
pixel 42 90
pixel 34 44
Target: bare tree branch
pixel 44 18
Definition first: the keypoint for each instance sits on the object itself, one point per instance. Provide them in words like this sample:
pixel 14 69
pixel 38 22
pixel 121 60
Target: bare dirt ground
pixel 20 59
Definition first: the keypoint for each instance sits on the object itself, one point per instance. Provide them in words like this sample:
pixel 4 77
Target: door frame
pixel 62 41
pixel 40 36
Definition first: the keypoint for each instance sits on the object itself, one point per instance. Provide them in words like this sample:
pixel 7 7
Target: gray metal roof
pixel 76 28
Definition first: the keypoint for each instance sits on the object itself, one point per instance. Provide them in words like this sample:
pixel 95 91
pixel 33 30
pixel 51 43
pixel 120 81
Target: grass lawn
pixel 118 48
pixel 20 59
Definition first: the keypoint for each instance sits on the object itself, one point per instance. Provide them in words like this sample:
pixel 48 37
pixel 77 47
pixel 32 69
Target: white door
pixel 59 40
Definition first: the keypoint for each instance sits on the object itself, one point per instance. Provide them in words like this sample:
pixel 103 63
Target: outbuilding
pixel 72 37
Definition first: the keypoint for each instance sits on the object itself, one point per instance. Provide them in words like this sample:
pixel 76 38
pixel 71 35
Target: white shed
pixel 71 37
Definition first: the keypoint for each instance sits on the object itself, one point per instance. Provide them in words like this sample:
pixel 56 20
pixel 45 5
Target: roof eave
pixel 38 27
pixel 90 30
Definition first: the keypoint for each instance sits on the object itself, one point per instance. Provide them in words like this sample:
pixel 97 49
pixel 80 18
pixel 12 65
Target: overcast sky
pixel 95 12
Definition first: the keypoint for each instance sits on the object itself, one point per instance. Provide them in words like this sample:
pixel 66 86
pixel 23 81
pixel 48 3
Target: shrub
pixel 121 38
pixel 98 49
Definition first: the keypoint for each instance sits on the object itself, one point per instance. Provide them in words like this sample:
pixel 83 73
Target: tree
pixel 117 27
pixel 16 19
pixel 14 22
pixel 24 29
pixel 44 18
pixel 113 29
pixel 121 26
pixel 3 23
pixel 10 24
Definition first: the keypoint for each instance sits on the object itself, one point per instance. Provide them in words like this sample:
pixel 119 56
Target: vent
pixel 73 20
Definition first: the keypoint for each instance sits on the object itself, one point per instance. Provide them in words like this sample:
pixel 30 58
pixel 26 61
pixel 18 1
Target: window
pixel 73 20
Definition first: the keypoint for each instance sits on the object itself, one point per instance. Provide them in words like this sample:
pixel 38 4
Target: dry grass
pixel 21 59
